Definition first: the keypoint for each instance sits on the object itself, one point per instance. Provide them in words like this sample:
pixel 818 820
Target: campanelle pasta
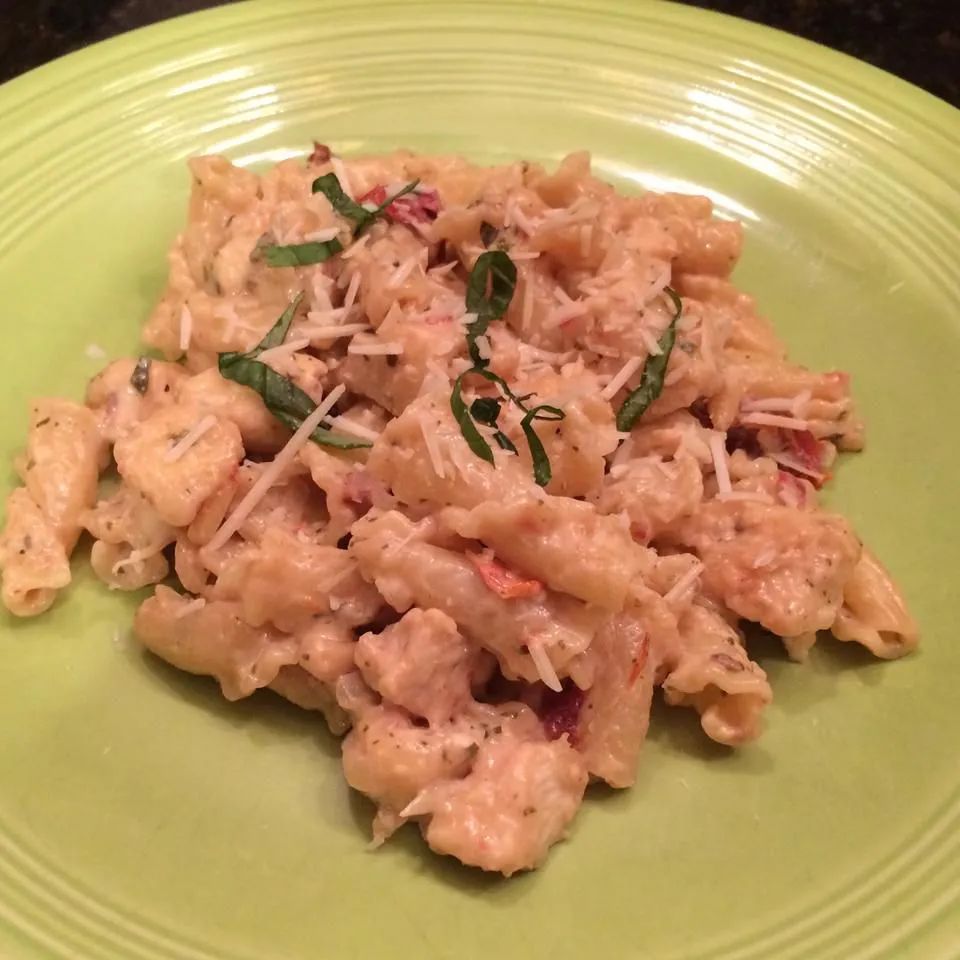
pixel 470 460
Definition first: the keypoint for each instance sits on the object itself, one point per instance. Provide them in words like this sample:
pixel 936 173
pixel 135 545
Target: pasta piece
pixel 717 677
pixel 177 488
pixel 301 688
pixel 616 712
pixel 260 431
pixel 782 568
pixel 401 461
pixel 287 581
pixel 61 465
pixel 32 558
pixel 121 567
pixel 212 640
pixel 563 542
pixel 420 663
pixel 873 612
pixel 118 405
pixel 409 572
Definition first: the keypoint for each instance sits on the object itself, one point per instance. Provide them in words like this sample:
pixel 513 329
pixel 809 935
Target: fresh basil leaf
pixel 485 410
pixel 140 378
pixel 542 473
pixel 651 380
pixel 467 427
pixel 278 332
pixel 301 254
pixel 504 442
pixel 488 233
pixel 502 384
pixel 362 218
pixel 496 270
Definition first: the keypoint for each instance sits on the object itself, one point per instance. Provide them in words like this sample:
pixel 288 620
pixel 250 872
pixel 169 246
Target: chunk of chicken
pixel 780 567
pixel 653 493
pixel 421 663
pixel 516 802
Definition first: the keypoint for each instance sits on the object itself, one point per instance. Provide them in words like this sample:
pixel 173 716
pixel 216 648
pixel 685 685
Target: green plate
pixel 143 817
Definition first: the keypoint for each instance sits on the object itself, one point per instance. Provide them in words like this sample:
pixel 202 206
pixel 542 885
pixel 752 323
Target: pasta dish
pixel 470 460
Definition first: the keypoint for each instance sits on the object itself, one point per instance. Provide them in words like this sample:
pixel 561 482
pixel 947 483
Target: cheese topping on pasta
pixel 470 460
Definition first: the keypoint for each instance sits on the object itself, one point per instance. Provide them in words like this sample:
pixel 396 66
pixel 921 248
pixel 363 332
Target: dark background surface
pixel 918 40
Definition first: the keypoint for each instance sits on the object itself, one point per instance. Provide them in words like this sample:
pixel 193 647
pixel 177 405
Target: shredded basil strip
pixel 651 380
pixel 301 254
pixel 504 442
pixel 467 427
pixel 496 269
pixel 283 398
pixel 485 410
pixel 140 378
pixel 542 473
pixel 362 218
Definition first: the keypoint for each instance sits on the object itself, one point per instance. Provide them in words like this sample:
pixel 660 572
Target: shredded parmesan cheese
pixel 332 331
pixel 544 667
pixel 389 349
pixel 785 460
pixel 527 312
pixel 190 438
pixel 772 420
pixel 401 273
pixel 756 496
pixel 351 426
pixel 483 347
pixel 355 247
pixel 186 328
pixel 341 173
pixel 684 582
pixel 284 350
pixel 274 470
pixel 620 378
pixel 441 270
pixel 322 236
pixel 768 405
pixel 197 603
pixel 718 452
pixel 433 448
pixel 349 298
pixel 650 342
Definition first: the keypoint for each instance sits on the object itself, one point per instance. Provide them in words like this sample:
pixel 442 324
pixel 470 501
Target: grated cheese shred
pixel 718 451
pixel 274 470
pixel 190 438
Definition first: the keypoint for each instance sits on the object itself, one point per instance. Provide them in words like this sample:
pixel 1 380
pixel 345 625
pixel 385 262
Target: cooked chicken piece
pixel 516 802
pixel 783 568
pixel 421 663
pixel 653 492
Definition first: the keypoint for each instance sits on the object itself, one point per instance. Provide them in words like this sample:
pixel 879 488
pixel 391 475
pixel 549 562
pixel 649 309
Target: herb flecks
pixel 654 370
pixel 140 378
pixel 283 398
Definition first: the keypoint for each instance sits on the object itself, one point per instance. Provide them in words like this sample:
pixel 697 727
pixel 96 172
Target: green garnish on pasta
pixel 282 397
pixel 651 380
pixel 301 254
pixel 362 218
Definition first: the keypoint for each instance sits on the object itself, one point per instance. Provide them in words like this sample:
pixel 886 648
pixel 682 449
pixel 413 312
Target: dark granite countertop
pixel 918 40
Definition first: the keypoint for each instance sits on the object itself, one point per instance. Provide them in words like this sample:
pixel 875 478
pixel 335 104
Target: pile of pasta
pixel 470 460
